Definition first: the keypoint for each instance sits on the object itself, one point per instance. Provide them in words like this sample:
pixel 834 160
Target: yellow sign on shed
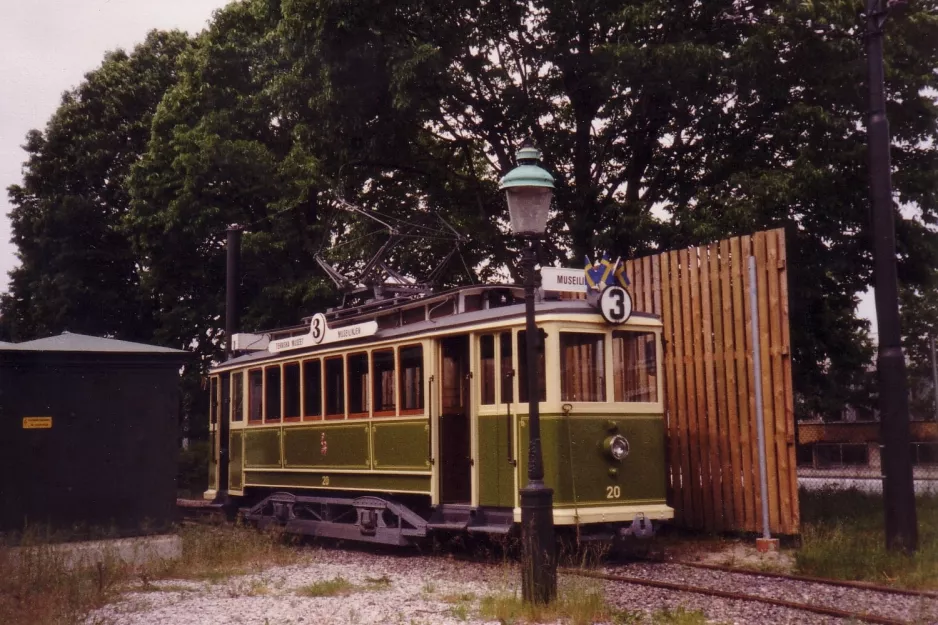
pixel 37 423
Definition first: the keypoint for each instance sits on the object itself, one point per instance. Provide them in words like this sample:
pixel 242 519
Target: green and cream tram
pixel 389 421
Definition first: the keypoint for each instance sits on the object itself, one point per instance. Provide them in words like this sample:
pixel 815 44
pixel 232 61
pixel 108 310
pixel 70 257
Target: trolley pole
pixel 934 374
pixel 232 278
pixel 898 490
pixel 539 563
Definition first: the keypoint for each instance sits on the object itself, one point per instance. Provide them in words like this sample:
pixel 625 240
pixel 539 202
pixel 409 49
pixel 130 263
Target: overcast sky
pixel 46 47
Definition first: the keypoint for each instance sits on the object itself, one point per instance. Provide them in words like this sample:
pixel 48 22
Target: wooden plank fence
pixel 702 296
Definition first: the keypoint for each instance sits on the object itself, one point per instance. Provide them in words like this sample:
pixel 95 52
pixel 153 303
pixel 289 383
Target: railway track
pixel 868 603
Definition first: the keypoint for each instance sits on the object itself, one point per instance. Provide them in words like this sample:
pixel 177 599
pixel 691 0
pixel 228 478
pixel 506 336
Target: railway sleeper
pixel 367 519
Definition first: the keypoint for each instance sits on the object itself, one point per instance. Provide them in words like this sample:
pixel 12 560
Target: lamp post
pixel 898 490
pixel 529 190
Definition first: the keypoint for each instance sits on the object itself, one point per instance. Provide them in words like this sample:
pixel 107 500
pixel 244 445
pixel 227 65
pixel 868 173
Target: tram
pixel 392 420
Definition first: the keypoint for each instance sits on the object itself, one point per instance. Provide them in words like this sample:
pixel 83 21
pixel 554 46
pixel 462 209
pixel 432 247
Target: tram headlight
pixel 617 447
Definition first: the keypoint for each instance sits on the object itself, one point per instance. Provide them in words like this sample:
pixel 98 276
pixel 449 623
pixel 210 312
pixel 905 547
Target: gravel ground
pixel 426 590
pixel 901 607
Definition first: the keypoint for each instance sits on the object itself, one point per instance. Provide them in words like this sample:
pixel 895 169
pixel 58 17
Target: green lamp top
pixel 528 173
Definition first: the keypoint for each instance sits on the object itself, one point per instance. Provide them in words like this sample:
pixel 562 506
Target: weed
pixel 330 588
pixel 577 603
pixel 428 588
pixel 44 584
pixel 843 538
pixel 465 597
pixel 215 553
pixel 376 583
pixel 460 611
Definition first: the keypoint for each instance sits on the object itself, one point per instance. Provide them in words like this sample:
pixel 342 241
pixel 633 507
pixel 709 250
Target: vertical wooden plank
pixel 699 421
pixel 741 248
pixel 680 404
pixel 691 478
pixel 670 399
pixel 642 267
pixel 656 283
pixel 722 439
pixel 771 461
pixel 711 433
pixel 789 392
pixel 647 285
pixel 780 431
pixel 637 285
pixel 732 412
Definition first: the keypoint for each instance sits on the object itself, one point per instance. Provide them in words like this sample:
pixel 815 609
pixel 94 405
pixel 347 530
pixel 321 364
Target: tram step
pixel 489 529
pixel 456 526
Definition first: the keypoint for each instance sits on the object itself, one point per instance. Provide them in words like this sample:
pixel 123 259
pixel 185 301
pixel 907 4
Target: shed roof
pixel 69 342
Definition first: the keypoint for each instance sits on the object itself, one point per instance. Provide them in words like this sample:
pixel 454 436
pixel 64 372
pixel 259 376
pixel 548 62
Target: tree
pixel 666 124
pixel 77 270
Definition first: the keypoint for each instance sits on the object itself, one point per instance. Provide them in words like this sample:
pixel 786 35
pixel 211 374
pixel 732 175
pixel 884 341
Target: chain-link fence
pixel 847 455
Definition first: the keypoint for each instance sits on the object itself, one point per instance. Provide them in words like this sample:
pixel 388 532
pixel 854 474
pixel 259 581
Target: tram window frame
pixel 569 385
pixel 291 381
pixel 358 385
pixel 418 387
pixel 378 387
pixel 522 366
pixel 312 393
pixel 273 395
pixel 506 365
pixel 214 400
pixel 488 364
pixel 237 397
pixel 620 390
pixel 255 401
pixel 337 363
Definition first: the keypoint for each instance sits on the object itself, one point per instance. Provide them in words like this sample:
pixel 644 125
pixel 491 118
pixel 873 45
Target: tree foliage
pixel 77 269
pixel 665 123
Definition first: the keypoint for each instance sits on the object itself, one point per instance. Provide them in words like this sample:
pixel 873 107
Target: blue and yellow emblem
pixel 605 273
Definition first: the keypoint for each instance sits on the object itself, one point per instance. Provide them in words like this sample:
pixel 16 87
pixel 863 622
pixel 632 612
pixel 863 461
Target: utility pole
pixel 898 488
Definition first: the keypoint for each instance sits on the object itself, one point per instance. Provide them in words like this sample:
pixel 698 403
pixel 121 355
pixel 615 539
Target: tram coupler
pixel 641 527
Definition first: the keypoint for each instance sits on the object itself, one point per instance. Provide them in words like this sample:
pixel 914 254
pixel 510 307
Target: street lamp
pixel 529 190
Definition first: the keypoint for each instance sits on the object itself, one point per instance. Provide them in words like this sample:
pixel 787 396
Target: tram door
pixel 455 463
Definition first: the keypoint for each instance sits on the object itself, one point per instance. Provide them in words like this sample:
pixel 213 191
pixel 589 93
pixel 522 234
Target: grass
pixel 42 585
pixel 843 538
pixel 339 586
pixel 578 603
pixel 329 588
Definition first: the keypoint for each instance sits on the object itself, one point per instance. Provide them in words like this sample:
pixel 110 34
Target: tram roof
pixel 450 322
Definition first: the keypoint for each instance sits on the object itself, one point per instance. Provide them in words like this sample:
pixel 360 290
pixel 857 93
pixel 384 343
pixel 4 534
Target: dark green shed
pixel 88 430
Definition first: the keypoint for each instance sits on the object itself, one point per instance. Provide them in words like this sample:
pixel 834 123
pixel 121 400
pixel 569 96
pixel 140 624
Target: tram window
pixel 335 388
pixel 357 385
pixel 442 309
pixel 411 381
pixel 255 395
pixel 413 315
pixel 523 368
pixel 635 370
pixel 291 390
pixel 472 303
pixel 312 388
pixel 487 373
pixel 237 399
pixel 272 393
pixel 382 368
pixel 213 399
pixel 506 370
pixel 582 367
